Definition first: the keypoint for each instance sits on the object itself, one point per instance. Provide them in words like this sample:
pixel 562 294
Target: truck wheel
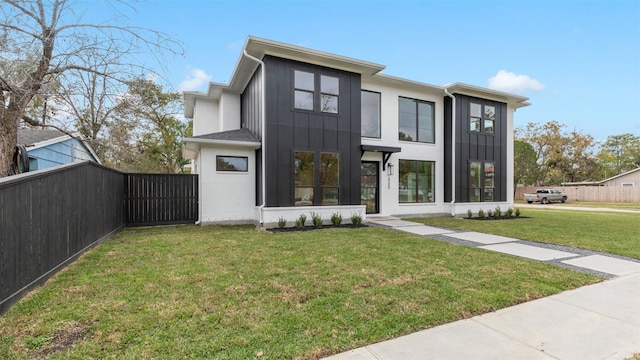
pixel 544 201
pixel 529 202
pixel 564 199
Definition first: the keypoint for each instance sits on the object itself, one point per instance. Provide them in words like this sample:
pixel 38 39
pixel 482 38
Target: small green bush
pixel 517 212
pixel 316 219
pixel 469 214
pixel 356 219
pixel 336 219
pixel 509 212
pixel 481 214
pixel 282 222
pixel 489 213
pixel 497 213
pixel 301 220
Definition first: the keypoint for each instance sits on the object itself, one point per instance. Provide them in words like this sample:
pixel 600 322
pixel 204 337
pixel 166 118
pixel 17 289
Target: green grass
pixel 237 293
pixel 610 232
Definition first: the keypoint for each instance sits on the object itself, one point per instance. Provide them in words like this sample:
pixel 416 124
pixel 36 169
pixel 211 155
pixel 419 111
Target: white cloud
pixel 194 80
pixel 510 82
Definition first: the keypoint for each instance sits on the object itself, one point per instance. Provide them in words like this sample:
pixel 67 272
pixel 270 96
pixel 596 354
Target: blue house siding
pixel 60 153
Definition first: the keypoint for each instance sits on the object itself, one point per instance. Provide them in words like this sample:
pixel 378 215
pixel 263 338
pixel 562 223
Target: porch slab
pixel 423 230
pixel 605 264
pixel 481 238
pixel 528 251
pixel 393 223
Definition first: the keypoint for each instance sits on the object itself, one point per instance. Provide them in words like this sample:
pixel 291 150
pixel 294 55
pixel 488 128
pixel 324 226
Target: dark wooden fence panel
pixel 159 199
pixel 50 217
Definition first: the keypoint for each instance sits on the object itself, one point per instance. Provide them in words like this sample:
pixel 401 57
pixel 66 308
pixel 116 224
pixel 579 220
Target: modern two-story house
pixel 298 130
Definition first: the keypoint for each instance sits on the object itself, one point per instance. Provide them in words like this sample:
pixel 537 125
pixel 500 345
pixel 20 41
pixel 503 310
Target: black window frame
pixel 318 95
pixel 430 198
pixel 245 158
pixel 482 119
pixel 417 103
pixel 318 187
pixel 484 186
pixel 379 114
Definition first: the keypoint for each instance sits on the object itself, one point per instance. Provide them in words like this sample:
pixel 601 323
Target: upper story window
pixel 482 118
pixel 370 108
pixel 306 87
pixel 416 120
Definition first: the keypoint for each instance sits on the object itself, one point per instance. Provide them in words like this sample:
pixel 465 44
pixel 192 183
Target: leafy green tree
pixel 619 153
pixel 526 168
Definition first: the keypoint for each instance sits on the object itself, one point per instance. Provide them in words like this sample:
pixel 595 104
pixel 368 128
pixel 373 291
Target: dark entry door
pixel 369 186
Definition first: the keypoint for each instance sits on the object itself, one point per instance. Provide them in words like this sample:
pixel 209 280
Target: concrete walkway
pixel 600 321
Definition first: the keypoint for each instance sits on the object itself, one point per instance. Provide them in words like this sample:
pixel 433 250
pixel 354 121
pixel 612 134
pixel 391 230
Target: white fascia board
pixel 231 143
pixel 405 83
pixel 214 92
pixel 514 101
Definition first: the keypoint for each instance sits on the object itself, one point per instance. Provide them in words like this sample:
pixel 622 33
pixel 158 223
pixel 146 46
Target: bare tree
pixel 44 43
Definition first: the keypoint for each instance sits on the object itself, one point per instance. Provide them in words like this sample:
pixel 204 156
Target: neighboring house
pixel 298 130
pixel 47 148
pixel 628 179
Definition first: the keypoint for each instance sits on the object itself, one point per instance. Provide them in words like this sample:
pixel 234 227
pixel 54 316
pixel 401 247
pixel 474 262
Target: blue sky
pixel 577 61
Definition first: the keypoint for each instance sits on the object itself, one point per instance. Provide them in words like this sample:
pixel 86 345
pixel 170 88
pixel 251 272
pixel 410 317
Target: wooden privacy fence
pixel 50 217
pixel 160 199
pixel 589 193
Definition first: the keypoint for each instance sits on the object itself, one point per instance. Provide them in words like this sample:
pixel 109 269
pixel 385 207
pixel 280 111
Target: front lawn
pixel 237 293
pixel 610 232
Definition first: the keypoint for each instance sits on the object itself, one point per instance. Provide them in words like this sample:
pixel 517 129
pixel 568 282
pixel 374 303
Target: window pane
pixel 474 174
pixel 426 131
pixel 474 124
pixel 475 110
pixel 329 103
pixel 474 195
pixel 370 107
pixel 231 163
pixel 304 80
pixel 489 113
pixel 488 126
pixel 407 120
pixel 489 175
pixel 425 181
pixel 303 100
pixel 303 168
pixel 303 196
pixel 330 196
pixel 488 194
pixel 403 180
pixel 329 172
pixel 329 85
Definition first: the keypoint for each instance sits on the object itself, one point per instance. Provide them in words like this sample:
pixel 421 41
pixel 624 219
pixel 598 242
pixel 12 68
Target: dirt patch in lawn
pixel 63 340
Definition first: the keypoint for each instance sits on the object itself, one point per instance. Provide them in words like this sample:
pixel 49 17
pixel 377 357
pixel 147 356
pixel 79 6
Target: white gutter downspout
pixel 453 151
pixel 262 138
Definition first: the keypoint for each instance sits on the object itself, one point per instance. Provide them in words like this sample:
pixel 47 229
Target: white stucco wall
pixel 206 118
pixel 226 197
pixel 229 109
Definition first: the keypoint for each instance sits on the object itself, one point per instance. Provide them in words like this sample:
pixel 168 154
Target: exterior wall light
pixel 390 169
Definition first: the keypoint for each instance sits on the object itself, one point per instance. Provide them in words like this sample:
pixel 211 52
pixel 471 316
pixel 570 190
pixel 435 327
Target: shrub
pixel 517 212
pixel 481 214
pixel 509 212
pixel 489 213
pixel 469 214
pixel 302 219
pixel 336 219
pixel 282 222
pixel 498 212
pixel 316 219
pixel 356 219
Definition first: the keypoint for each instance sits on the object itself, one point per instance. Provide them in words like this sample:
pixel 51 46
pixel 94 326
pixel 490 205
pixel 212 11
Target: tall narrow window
pixel 475 113
pixel 416 181
pixel 304 172
pixel 370 108
pixel 330 179
pixel 304 83
pixel 489 119
pixel 416 120
pixel 329 91
pixel 475 176
pixel 489 181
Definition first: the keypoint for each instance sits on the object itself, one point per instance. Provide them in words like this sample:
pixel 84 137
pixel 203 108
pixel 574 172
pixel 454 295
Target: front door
pixel 369 186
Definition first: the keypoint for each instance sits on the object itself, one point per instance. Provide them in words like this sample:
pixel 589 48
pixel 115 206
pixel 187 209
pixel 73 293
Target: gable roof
pixel 621 175
pixel 235 138
pixel 242 135
pixel 38 138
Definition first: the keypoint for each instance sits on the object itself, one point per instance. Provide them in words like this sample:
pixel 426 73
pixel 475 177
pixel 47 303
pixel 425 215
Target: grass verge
pixel 236 293
pixel 610 232
pixel 593 204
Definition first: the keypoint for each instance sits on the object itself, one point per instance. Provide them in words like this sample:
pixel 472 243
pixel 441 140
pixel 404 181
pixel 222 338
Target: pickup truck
pixel 545 196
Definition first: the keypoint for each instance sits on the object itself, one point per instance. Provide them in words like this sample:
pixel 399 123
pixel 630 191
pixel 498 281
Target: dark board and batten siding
pixel 251 118
pixel 472 146
pixel 160 199
pixel 290 130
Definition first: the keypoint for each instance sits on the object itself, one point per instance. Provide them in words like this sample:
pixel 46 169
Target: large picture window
pixel 416 120
pixel 305 186
pixel 232 163
pixel 416 181
pixel 481 181
pixel 370 109
pixel 305 90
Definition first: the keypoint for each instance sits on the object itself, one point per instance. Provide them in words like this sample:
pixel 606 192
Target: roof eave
pixel 200 141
